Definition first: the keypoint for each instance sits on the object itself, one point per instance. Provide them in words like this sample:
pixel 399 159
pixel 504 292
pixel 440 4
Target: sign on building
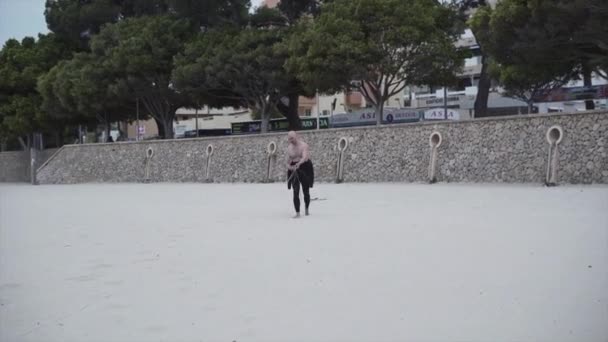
pixel 439 114
pixel 463 101
pixel 277 125
pixel 367 116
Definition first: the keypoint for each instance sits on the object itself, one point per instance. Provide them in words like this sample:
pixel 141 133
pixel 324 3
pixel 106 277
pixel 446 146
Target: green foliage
pixel 21 63
pixel 137 53
pixel 293 10
pixel 540 45
pixel 75 21
pixel 241 66
pixel 267 17
pixel 212 13
pixel 81 89
pixel 382 44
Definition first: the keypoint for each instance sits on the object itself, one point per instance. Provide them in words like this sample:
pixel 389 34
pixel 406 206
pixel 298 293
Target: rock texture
pixel 15 166
pixel 510 149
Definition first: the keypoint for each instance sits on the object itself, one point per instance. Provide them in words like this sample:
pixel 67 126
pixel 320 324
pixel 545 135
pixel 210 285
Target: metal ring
pixel 210 150
pixel 555 134
pixel 342 144
pixel 271 148
pixel 435 139
pixel 149 152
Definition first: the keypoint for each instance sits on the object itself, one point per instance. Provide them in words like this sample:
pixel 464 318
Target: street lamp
pixel 137 119
pixel 318 111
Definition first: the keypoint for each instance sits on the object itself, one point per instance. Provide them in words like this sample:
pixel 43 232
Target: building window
pixel 325 112
pixel 308 112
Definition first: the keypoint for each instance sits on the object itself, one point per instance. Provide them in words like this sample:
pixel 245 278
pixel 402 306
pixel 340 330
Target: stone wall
pixel 509 149
pixel 15 166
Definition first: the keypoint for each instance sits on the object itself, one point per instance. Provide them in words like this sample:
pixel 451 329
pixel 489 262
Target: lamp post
pixel 445 102
pixel 196 118
pixel 137 119
pixel 318 111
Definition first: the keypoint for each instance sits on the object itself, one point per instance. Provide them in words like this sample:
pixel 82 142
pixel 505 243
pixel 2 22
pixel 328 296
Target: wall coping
pixel 50 158
pixel 342 129
pixel 12 153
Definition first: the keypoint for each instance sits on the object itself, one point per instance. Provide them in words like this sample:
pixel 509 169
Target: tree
pixel 260 42
pixel 561 39
pixel 527 82
pixel 477 12
pixel 138 53
pixel 293 10
pixel 265 17
pixel 240 66
pixel 55 88
pixel 578 28
pixel 75 21
pixel 377 47
pixel 21 63
pixel 285 18
pixel 519 60
pixel 212 13
pixel 84 90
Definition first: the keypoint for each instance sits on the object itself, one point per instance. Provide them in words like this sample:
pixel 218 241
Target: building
pixel 462 97
pixel 188 119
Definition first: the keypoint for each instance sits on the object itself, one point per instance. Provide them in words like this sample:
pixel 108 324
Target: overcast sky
pixel 20 18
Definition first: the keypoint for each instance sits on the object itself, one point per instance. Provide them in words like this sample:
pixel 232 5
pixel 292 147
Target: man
pixel 300 171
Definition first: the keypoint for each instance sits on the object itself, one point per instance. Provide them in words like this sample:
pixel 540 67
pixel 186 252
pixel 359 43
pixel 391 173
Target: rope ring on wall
pixel 435 139
pixel 555 134
pixel 209 150
pixel 271 148
pixel 342 144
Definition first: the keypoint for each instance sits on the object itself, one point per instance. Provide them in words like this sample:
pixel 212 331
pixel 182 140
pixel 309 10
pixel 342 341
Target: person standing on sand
pixel 300 171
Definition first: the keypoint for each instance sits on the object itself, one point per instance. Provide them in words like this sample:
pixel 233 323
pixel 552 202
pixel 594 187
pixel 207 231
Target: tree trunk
pixel 168 128
pixel 57 139
pixel 589 104
pixel 22 143
pixel 108 129
pixel 265 120
pixel 161 128
pixel 483 89
pixel 123 129
pixel 290 111
pixel 378 113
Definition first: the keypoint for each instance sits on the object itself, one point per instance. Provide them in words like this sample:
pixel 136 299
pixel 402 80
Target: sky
pixel 21 18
